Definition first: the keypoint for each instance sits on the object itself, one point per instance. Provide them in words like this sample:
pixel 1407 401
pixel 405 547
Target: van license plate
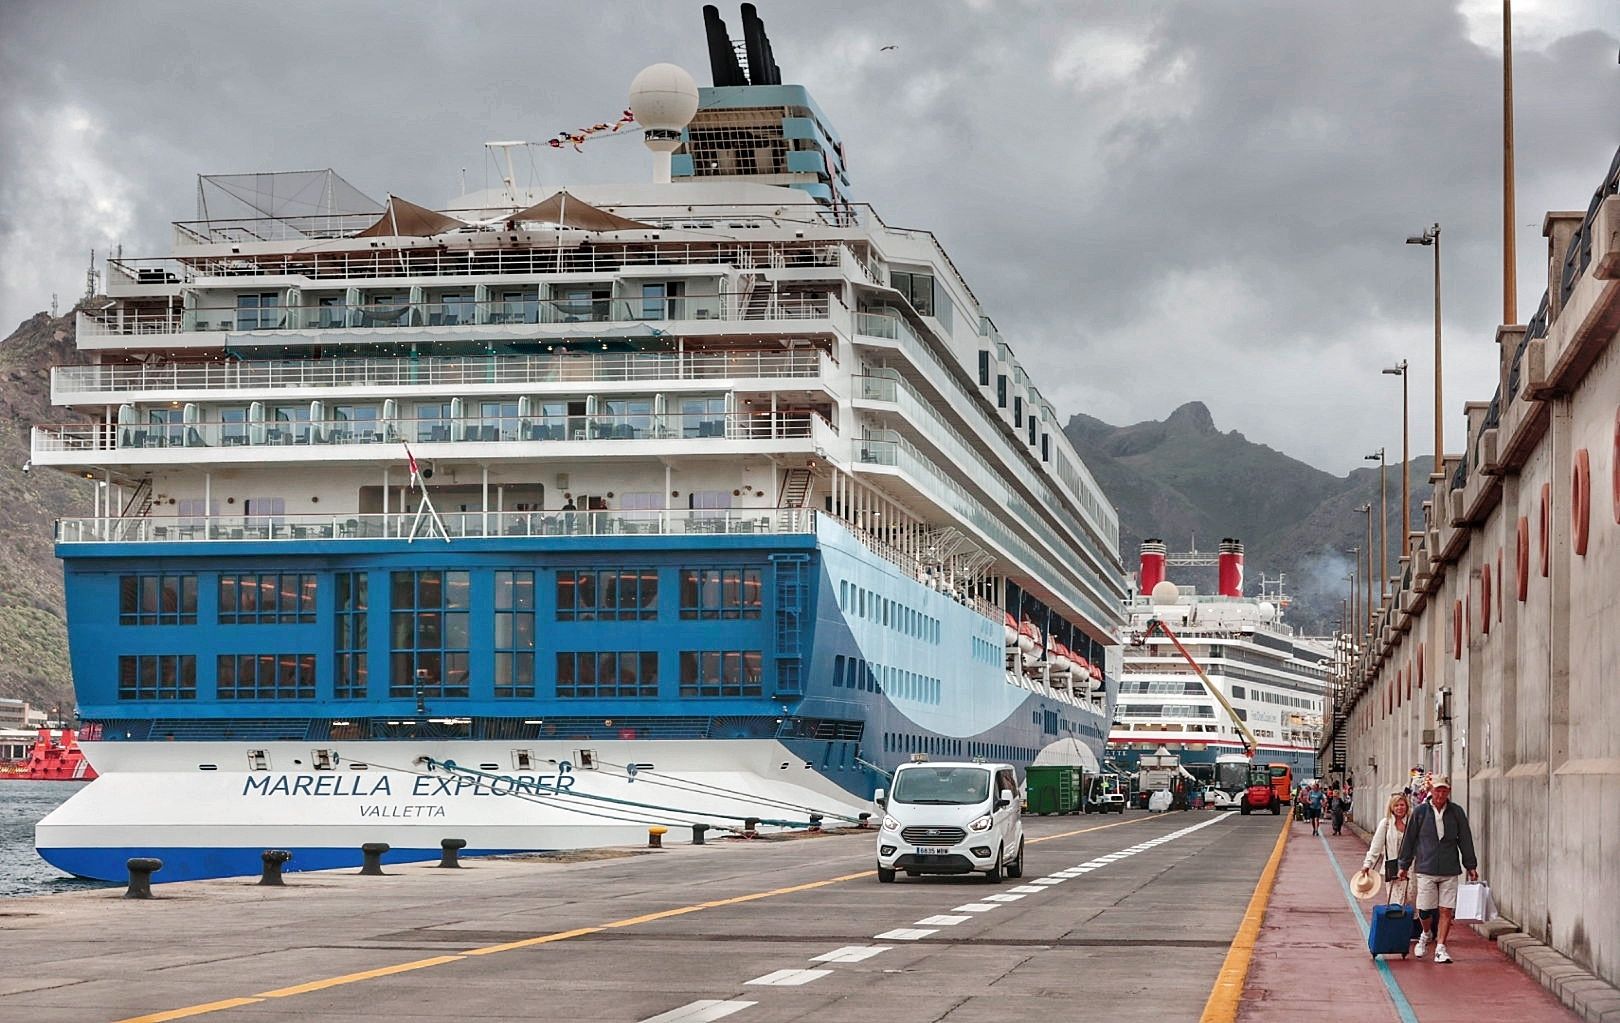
pixel 933 850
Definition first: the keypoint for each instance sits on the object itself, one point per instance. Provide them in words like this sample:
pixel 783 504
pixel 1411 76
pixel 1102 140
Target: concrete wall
pixel 1525 710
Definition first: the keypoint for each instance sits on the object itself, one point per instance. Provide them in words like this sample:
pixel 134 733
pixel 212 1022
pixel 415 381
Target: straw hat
pixel 1364 884
pixel 1439 781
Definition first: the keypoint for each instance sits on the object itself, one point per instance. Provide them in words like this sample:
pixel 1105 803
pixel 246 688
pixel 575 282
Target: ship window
pixel 1001 390
pixel 157 677
pixel 266 677
pixel 1046 447
pixel 349 635
pixel 916 288
pixel 259 311
pixel 984 369
pixel 1018 411
pixel 721 593
pixel 1031 425
pixel 609 594
pixel 838 671
pixel 607 674
pixel 267 598
pixel 1238 692
pixel 721 673
pixel 157 600
pixel 514 634
pixel 429 634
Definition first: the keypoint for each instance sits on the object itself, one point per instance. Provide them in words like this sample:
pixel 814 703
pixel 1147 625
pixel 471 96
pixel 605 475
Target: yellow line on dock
pixel 540 939
pixel 1222 1006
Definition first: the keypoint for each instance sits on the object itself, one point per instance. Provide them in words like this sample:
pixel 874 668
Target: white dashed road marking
pixel 942 920
pixel 905 934
pixel 1027 889
pixel 975 907
pixel 1004 897
pixel 789 978
pixel 850 954
pixel 704 1010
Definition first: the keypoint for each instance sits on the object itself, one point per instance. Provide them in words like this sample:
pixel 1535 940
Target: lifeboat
pixel 1082 673
pixel 1061 658
pixel 1029 637
pixel 1011 630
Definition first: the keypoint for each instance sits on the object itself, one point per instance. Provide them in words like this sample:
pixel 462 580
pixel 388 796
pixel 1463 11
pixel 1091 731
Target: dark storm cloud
pixel 1156 201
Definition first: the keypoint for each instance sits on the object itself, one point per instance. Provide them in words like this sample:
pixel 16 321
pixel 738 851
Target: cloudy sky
pixel 1157 201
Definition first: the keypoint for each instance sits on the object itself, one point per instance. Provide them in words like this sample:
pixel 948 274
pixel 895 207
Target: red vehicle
pixel 1259 795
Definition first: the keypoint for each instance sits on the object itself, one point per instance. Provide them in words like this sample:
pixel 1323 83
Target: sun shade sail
pixel 563 210
pixel 404 219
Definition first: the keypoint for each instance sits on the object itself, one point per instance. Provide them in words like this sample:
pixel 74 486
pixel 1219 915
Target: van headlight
pixel 984 823
pixel 890 824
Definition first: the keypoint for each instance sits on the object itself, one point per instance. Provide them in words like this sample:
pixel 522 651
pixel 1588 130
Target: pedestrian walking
pixel 1313 808
pixel 1336 808
pixel 1437 847
pixel 1384 851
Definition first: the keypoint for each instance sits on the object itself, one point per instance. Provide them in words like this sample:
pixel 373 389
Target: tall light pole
pixel 1510 272
pixel 1431 238
pixel 1367 606
pixel 1383 519
pixel 1352 626
pixel 1399 369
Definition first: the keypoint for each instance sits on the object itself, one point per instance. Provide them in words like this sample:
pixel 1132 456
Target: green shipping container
pixel 1054 790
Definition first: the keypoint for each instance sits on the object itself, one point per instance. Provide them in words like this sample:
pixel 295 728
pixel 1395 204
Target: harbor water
pixel 22 872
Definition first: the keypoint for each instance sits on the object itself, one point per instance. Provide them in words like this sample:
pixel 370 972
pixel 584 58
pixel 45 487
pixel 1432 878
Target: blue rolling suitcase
pixel 1392 928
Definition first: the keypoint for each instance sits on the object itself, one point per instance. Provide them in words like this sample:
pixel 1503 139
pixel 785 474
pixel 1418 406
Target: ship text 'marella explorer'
pixel 555 513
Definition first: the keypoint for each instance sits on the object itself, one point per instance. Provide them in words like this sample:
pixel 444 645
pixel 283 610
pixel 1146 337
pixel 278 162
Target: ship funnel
pixel 1230 563
pixel 1151 570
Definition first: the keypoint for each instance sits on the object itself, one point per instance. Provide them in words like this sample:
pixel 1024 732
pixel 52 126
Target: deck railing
pixel 440 371
pixel 759 304
pixel 88 437
pixel 458 525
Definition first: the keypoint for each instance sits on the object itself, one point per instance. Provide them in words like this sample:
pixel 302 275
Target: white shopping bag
pixel 1474 902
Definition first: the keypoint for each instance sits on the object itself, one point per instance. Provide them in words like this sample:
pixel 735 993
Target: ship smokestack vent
pixel 1150 571
pixel 1229 562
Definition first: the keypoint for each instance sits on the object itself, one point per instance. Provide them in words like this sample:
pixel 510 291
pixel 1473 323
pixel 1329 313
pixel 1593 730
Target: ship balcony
pixel 761 310
pixel 398 377
pixel 891 333
pixel 519 438
pixel 924 485
pixel 457 525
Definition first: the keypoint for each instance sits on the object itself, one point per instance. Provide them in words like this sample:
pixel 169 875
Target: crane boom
pixel 1250 745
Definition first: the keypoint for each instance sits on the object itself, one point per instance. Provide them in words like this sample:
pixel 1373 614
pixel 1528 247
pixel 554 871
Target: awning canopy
pixel 403 219
pixel 563 210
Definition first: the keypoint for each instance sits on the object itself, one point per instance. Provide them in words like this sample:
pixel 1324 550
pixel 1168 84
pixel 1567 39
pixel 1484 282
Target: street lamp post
pixel 1399 369
pixel 1431 238
pixel 1383 518
pixel 1366 578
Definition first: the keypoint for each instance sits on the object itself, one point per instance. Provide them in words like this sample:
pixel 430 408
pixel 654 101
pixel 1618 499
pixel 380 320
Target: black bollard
pixel 141 869
pixel 750 827
pixel 815 822
pixel 273 859
pixel 864 821
pixel 697 833
pixel 451 851
pixel 373 852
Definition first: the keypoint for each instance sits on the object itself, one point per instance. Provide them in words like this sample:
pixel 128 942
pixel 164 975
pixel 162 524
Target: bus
pixel 1231 777
pixel 1282 782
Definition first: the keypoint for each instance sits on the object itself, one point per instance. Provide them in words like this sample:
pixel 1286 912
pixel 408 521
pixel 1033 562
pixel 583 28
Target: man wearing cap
pixel 1438 847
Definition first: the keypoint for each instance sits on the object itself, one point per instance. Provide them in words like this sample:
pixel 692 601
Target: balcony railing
pixel 672 521
pixel 727 307
pixel 593 367
pixel 467 430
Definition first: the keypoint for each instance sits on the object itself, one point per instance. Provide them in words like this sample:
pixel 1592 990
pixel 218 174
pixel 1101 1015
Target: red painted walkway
pixel 1311 961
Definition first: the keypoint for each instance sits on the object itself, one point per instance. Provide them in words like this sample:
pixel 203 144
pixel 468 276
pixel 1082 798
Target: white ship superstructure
pixel 1274 679
pixel 721 455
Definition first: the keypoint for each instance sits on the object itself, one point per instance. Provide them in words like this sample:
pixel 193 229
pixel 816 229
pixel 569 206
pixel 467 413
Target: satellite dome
pixel 1267 608
pixel 1166 592
pixel 663 97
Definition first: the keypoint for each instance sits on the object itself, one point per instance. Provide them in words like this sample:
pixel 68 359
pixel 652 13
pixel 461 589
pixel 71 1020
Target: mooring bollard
pixel 655 836
pixel 273 859
pixel 697 833
pixel 864 821
pixel 750 827
pixel 815 822
pixel 141 869
pixel 450 851
pixel 373 852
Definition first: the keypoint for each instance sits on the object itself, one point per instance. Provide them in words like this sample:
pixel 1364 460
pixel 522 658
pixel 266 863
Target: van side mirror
pixel 1005 799
pixel 880 797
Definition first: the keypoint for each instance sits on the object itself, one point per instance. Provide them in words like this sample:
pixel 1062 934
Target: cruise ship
pixel 1274 679
pixel 547 514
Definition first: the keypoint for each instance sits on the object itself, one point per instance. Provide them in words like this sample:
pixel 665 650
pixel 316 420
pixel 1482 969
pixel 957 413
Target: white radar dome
pixel 1267 608
pixel 663 97
pixel 1166 592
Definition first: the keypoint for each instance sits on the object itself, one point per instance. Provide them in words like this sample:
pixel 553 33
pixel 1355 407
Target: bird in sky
pixel 891 46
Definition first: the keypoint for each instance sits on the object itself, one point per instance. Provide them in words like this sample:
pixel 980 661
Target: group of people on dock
pixel 1423 838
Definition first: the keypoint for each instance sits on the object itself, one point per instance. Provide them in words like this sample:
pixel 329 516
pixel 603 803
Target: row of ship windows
pixel 585 674
pixel 986 651
pixel 878 678
pixel 891 614
pixel 581 595
pixel 1189 710
pixel 945 746
pixel 1263 696
pixel 1228 670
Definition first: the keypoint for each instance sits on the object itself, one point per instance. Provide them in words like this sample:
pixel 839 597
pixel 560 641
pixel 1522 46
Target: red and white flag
pixel 415 472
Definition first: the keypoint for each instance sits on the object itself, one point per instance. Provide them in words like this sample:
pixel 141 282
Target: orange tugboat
pixel 54 756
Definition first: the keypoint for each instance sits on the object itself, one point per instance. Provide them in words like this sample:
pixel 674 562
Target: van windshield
pixel 947 786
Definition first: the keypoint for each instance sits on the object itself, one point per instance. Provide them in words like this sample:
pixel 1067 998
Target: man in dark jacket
pixel 1439 846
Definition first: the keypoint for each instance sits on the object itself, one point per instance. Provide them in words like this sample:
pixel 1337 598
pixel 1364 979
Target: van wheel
pixel 1015 869
pixel 1243 808
pixel 886 875
pixel 993 875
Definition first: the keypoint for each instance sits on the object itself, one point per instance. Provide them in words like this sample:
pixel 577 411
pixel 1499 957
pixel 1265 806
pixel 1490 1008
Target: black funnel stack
pixel 723 63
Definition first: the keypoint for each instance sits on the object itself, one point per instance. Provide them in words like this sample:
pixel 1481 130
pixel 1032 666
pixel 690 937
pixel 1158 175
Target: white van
pixel 951 818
